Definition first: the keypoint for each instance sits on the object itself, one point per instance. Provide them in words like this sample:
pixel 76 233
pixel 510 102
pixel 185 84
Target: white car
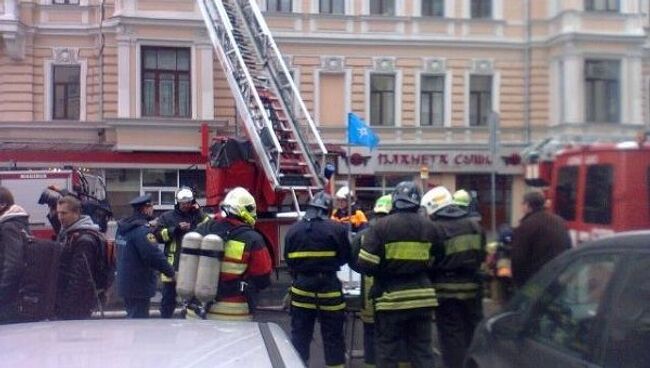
pixel 146 343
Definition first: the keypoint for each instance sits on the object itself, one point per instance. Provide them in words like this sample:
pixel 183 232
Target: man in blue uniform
pixel 138 258
pixel 314 249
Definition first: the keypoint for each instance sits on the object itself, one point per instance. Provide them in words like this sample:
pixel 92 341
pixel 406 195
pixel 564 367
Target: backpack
pixel 106 262
pixel 37 286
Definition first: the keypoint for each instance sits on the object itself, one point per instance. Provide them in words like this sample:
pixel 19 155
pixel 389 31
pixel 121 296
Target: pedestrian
pixel 347 212
pixel 540 237
pixel 13 222
pixel 78 268
pixel 171 226
pixel 314 249
pixel 246 266
pixel 398 251
pixel 456 276
pixel 138 257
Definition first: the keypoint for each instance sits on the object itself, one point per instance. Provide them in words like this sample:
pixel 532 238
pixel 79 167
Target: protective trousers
pixel 137 307
pixel 331 327
pixel 410 326
pixel 456 320
pixel 168 302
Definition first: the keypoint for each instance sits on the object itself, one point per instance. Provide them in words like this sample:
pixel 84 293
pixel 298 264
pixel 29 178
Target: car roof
pixel 631 239
pixel 143 343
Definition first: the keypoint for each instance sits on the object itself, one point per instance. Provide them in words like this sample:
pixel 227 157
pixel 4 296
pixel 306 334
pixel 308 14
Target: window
pixel 432 100
pixel 166 82
pixel 278 6
pixel 565 192
pixel 647 188
pixel 433 8
pixel 598 194
pixel 481 9
pixel 161 184
pixel 567 311
pixel 602 91
pixel 382 7
pixel 66 92
pixel 193 179
pixel 65 2
pixel 601 5
pixel 628 337
pixel 480 99
pixel 332 6
pixel 382 99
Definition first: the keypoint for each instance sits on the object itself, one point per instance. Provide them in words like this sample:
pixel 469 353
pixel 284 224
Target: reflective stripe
pixel 408 251
pixel 463 243
pixel 233 268
pixel 456 286
pixel 406 294
pixel 369 257
pixel 332 294
pixel 172 247
pixel 335 366
pixel 313 253
pixel 219 317
pixel 337 307
pixel 229 308
pixel 205 219
pixel 164 234
pixel 234 249
pixel 411 304
pixel 164 278
pixel 459 295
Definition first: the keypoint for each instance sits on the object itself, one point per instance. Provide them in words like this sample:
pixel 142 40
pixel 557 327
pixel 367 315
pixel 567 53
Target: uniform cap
pixel 141 201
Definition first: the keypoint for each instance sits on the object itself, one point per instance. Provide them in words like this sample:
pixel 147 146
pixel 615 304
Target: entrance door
pixel 481 184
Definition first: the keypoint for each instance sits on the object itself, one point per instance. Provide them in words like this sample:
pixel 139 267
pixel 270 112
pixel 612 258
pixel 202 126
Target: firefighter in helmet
pixel 465 201
pixel 314 249
pixel 169 229
pixel 398 251
pixel 456 276
pixel 347 212
pixel 246 266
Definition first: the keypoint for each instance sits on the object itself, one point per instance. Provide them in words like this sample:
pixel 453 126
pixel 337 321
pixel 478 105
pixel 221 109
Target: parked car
pixel 146 343
pixel 590 307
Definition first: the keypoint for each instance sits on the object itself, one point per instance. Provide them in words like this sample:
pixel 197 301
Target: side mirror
pixel 509 325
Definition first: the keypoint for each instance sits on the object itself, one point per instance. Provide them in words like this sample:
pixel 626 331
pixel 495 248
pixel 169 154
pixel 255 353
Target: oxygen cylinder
pixel 207 276
pixel 188 265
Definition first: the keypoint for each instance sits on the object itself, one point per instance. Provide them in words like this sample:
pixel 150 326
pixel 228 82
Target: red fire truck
pixel 598 188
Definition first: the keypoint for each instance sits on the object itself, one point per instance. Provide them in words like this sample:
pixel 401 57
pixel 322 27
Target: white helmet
pixel 343 193
pixel 436 199
pixel 184 195
pixel 240 203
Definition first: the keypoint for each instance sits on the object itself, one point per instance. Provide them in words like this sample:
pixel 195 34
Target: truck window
pixel 565 192
pixel 598 194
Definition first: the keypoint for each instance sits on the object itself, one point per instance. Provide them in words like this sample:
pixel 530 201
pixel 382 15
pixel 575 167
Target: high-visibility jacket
pixel 169 233
pixel 314 250
pixel 245 269
pixel 398 250
pixel 357 218
pixel 456 275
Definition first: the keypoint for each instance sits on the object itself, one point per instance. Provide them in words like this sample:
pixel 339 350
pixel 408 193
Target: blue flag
pixel 360 133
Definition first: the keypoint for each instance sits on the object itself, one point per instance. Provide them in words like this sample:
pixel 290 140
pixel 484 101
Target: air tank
pixel 207 279
pixel 188 265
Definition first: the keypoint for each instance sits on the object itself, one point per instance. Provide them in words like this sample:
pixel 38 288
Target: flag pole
pixel 349 152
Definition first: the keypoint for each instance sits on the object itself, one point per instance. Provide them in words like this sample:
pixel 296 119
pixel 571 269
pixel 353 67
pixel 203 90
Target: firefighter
pixel 398 251
pixel 315 248
pixel 456 276
pixel 357 220
pixel 169 229
pixel 467 202
pixel 246 266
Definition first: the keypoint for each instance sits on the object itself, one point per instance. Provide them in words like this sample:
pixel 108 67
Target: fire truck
pixel 598 188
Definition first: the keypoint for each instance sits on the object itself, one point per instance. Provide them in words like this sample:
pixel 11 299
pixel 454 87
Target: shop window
pixel 66 92
pixel 193 179
pixel 480 99
pixel 278 6
pixel 382 7
pixel 382 99
pixel 602 91
pixel 166 82
pixel 432 100
pixel 481 9
pixel 566 192
pixel 602 5
pixel 433 8
pixel 598 194
pixel 332 6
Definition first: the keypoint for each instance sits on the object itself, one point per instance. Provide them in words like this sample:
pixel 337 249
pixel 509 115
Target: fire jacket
pixel 168 232
pixel 398 250
pixel 456 275
pixel 12 224
pixel 314 250
pixel 367 308
pixel 245 269
pixel 358 219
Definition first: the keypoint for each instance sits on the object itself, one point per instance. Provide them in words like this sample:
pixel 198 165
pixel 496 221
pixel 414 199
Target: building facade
pixel 123 86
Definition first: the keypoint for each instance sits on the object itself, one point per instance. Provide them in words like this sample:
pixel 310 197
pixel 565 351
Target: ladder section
pixel 304 153
pixel 243 87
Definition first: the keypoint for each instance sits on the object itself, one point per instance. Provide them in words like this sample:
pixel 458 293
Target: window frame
pixel 606 9
pixel 432 95
pixel 481 9
pixel 278 6
pixel 157 72
pixel 331 4
pixel 430 5
pixel 610 84
pixel 479 96
pixel 382 8
pixel 384 95
pixel 66 87
pixel 569 214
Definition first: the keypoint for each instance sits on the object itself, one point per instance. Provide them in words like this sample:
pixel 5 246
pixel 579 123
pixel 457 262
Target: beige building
pixel 123 86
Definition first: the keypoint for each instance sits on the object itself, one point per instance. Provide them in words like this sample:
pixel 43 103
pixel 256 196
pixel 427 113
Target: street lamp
pixel 424 176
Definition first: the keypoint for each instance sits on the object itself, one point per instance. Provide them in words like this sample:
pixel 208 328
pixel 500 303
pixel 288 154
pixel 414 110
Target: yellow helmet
pixel 462 198
pixel 241 204
pixel 383 204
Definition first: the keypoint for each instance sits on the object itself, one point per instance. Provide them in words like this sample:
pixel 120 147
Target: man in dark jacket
pixel 171 226
pixel 138 256
pixel 76 291
pixel 540 237
pixel 315 248
pixel 398 251
pixel 13 221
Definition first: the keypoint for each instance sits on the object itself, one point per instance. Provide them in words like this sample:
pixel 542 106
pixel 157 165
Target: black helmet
pixel 322 201
pixel 406 196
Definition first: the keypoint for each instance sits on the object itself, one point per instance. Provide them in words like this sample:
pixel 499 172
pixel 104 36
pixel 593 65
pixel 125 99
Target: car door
pixel 627 336
pixel 564 326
